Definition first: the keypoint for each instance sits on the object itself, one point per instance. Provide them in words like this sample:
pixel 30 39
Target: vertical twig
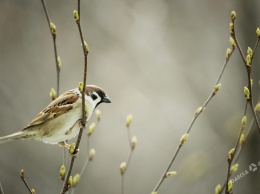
pixel 132 144
pixel 248 64
pixel 83 119
pixel 234 153
pixel 57 60
pixel 231 155
pixel 90 151
pixel 1 189
pixel 53 33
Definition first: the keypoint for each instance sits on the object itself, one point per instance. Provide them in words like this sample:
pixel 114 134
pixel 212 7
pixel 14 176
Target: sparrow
pixel 61 119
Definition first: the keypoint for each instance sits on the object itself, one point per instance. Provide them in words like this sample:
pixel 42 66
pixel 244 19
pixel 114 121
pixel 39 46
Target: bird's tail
pixel 14 136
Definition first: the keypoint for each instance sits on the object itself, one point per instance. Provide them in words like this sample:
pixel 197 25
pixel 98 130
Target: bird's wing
pixel 59 106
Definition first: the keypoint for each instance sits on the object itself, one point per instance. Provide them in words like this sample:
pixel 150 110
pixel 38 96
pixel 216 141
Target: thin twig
pixel 1 189
pixel 241 147
pixel 230 160
pixel 191 125
pixel 249 80
pixel 248 68
pixel 238 149
pixel 53 33
pixel 83 119
pixel 238 153
pixel 132 144
pixel 87 160
pixel 54 45
pixel 24 181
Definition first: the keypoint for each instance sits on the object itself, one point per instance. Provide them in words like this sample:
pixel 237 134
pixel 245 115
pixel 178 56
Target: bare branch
pixel 197 113
pixel 83 119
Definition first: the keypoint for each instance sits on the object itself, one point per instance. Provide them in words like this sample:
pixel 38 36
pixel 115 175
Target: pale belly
pixel 62 128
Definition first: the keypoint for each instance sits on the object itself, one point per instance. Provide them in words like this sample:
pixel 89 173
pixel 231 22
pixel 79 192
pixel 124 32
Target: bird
pixel 61 119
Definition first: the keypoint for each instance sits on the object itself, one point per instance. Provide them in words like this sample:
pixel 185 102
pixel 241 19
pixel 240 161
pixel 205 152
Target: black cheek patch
pixel 93 96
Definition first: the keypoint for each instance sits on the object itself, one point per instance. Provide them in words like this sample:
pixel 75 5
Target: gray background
pixel 157 60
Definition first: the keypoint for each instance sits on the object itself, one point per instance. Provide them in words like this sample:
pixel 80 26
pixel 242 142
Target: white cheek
pixel 91 104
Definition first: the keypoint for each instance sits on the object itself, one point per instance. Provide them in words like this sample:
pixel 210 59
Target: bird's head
pixel 96 95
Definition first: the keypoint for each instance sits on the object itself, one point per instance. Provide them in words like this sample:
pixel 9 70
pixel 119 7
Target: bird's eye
pixel 93 96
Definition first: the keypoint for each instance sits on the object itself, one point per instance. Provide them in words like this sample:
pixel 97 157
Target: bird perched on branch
pixel 61 119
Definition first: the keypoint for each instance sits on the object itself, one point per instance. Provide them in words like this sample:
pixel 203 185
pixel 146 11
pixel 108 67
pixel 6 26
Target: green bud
pixel 22 174
pixel 247 93
pixel 98 114
pixel 75 180
pixel 248 60
pixel 242 139
pixel 218 189
pixel 184 138
pixel 80 86
pixel 33 191
pixel 200 109
pixel 62 172
pixel 231 153
pixel 76 15
pixel 70 182
pixel 92 154
pixel 129 119
pixel 91 129
pixel 53 28
pixel 233 15
pixel 258 32
pixel 249 51
pixel 231 28
pixel 243 123
pixel 228 53
pixel 232 42
pixel 86 110
pixel 133 142
pixel 230 186
pixel 234 168
pixel 122 167
pixel 59 62
pixel 53 94
pixel 86 47
pixel 171 173
pixel 257 107
pixel 72 148
pixel 216 88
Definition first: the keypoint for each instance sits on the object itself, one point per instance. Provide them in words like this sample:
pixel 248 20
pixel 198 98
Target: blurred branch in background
pixel 53 31
pixel 91 152
pixel 22 176
pixel 236 151
pixel 196 115
pixel 1 189
pixel 132 143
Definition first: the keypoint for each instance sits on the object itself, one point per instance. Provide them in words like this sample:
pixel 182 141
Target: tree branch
pixel 83 119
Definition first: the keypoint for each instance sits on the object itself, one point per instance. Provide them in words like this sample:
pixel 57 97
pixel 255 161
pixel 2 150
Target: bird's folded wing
pixel 59 106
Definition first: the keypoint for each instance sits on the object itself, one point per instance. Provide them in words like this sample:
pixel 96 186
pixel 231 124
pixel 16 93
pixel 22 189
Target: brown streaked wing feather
pixel 62 104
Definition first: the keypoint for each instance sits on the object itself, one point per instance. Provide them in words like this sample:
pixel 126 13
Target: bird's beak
pixel 106 99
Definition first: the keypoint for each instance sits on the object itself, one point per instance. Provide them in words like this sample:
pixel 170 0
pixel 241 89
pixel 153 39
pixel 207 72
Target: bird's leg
pixel 64 144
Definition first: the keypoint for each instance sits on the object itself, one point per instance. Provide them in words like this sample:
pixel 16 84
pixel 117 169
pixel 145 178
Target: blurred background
pixel 157 60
